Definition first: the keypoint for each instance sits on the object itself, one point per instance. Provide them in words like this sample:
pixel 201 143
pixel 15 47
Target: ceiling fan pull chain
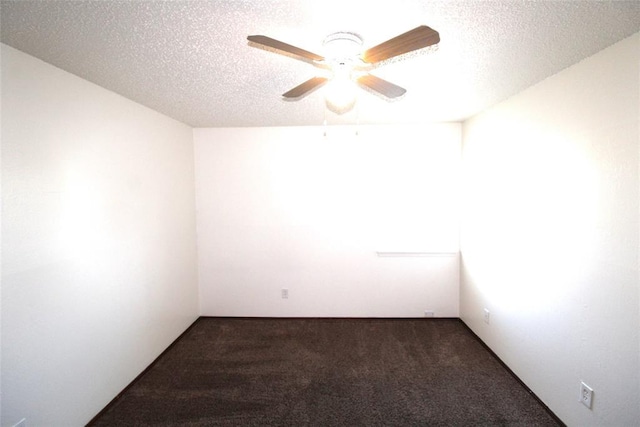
pixel 324 122
pixel 357 115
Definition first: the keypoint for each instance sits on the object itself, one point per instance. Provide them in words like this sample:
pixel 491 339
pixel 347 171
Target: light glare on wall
pixel 531 200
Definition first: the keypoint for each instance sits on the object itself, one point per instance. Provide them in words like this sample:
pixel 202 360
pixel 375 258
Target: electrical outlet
pixel 285 293
pixel 429 313
pixel 486 316
pixel 586 395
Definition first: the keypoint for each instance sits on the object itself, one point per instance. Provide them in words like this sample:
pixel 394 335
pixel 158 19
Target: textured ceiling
pixel 190 59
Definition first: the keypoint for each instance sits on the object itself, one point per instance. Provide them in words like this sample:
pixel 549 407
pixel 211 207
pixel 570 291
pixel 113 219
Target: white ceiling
pixel 191 61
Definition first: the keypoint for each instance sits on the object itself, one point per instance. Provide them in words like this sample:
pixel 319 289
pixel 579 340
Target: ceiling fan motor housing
pixel 342 47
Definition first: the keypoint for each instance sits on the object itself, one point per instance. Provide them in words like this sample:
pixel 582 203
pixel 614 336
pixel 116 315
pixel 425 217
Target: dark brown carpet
pixel 327 372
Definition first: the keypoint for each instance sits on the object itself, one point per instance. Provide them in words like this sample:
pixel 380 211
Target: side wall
pixel 290 208
pixel 98 241
pixel 550 235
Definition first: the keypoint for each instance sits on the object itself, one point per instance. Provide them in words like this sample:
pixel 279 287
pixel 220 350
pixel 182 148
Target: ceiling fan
pixel 345 60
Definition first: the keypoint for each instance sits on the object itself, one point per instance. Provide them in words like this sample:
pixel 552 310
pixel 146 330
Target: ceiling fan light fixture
pixel 340 95
pixel 342 53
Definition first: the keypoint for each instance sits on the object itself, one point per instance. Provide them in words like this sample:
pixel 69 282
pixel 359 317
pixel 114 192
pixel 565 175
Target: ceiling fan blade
pixel 276 44
pixel 381 86
pixel 305 88
pixel 418 38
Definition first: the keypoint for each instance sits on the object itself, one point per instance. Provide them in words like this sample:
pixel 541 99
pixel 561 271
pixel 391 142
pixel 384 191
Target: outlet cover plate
pixel 586 395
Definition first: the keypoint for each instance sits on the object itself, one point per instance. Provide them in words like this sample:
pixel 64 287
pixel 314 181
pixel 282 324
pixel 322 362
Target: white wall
pixel 291 208
pixel 0 248
pixel 550 235
pixel 98 242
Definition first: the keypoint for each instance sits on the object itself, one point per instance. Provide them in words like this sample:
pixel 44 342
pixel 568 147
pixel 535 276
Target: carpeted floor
pixel 327 372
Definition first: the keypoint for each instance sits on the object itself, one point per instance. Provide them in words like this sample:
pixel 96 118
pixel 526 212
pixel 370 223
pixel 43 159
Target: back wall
pixel 291 208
